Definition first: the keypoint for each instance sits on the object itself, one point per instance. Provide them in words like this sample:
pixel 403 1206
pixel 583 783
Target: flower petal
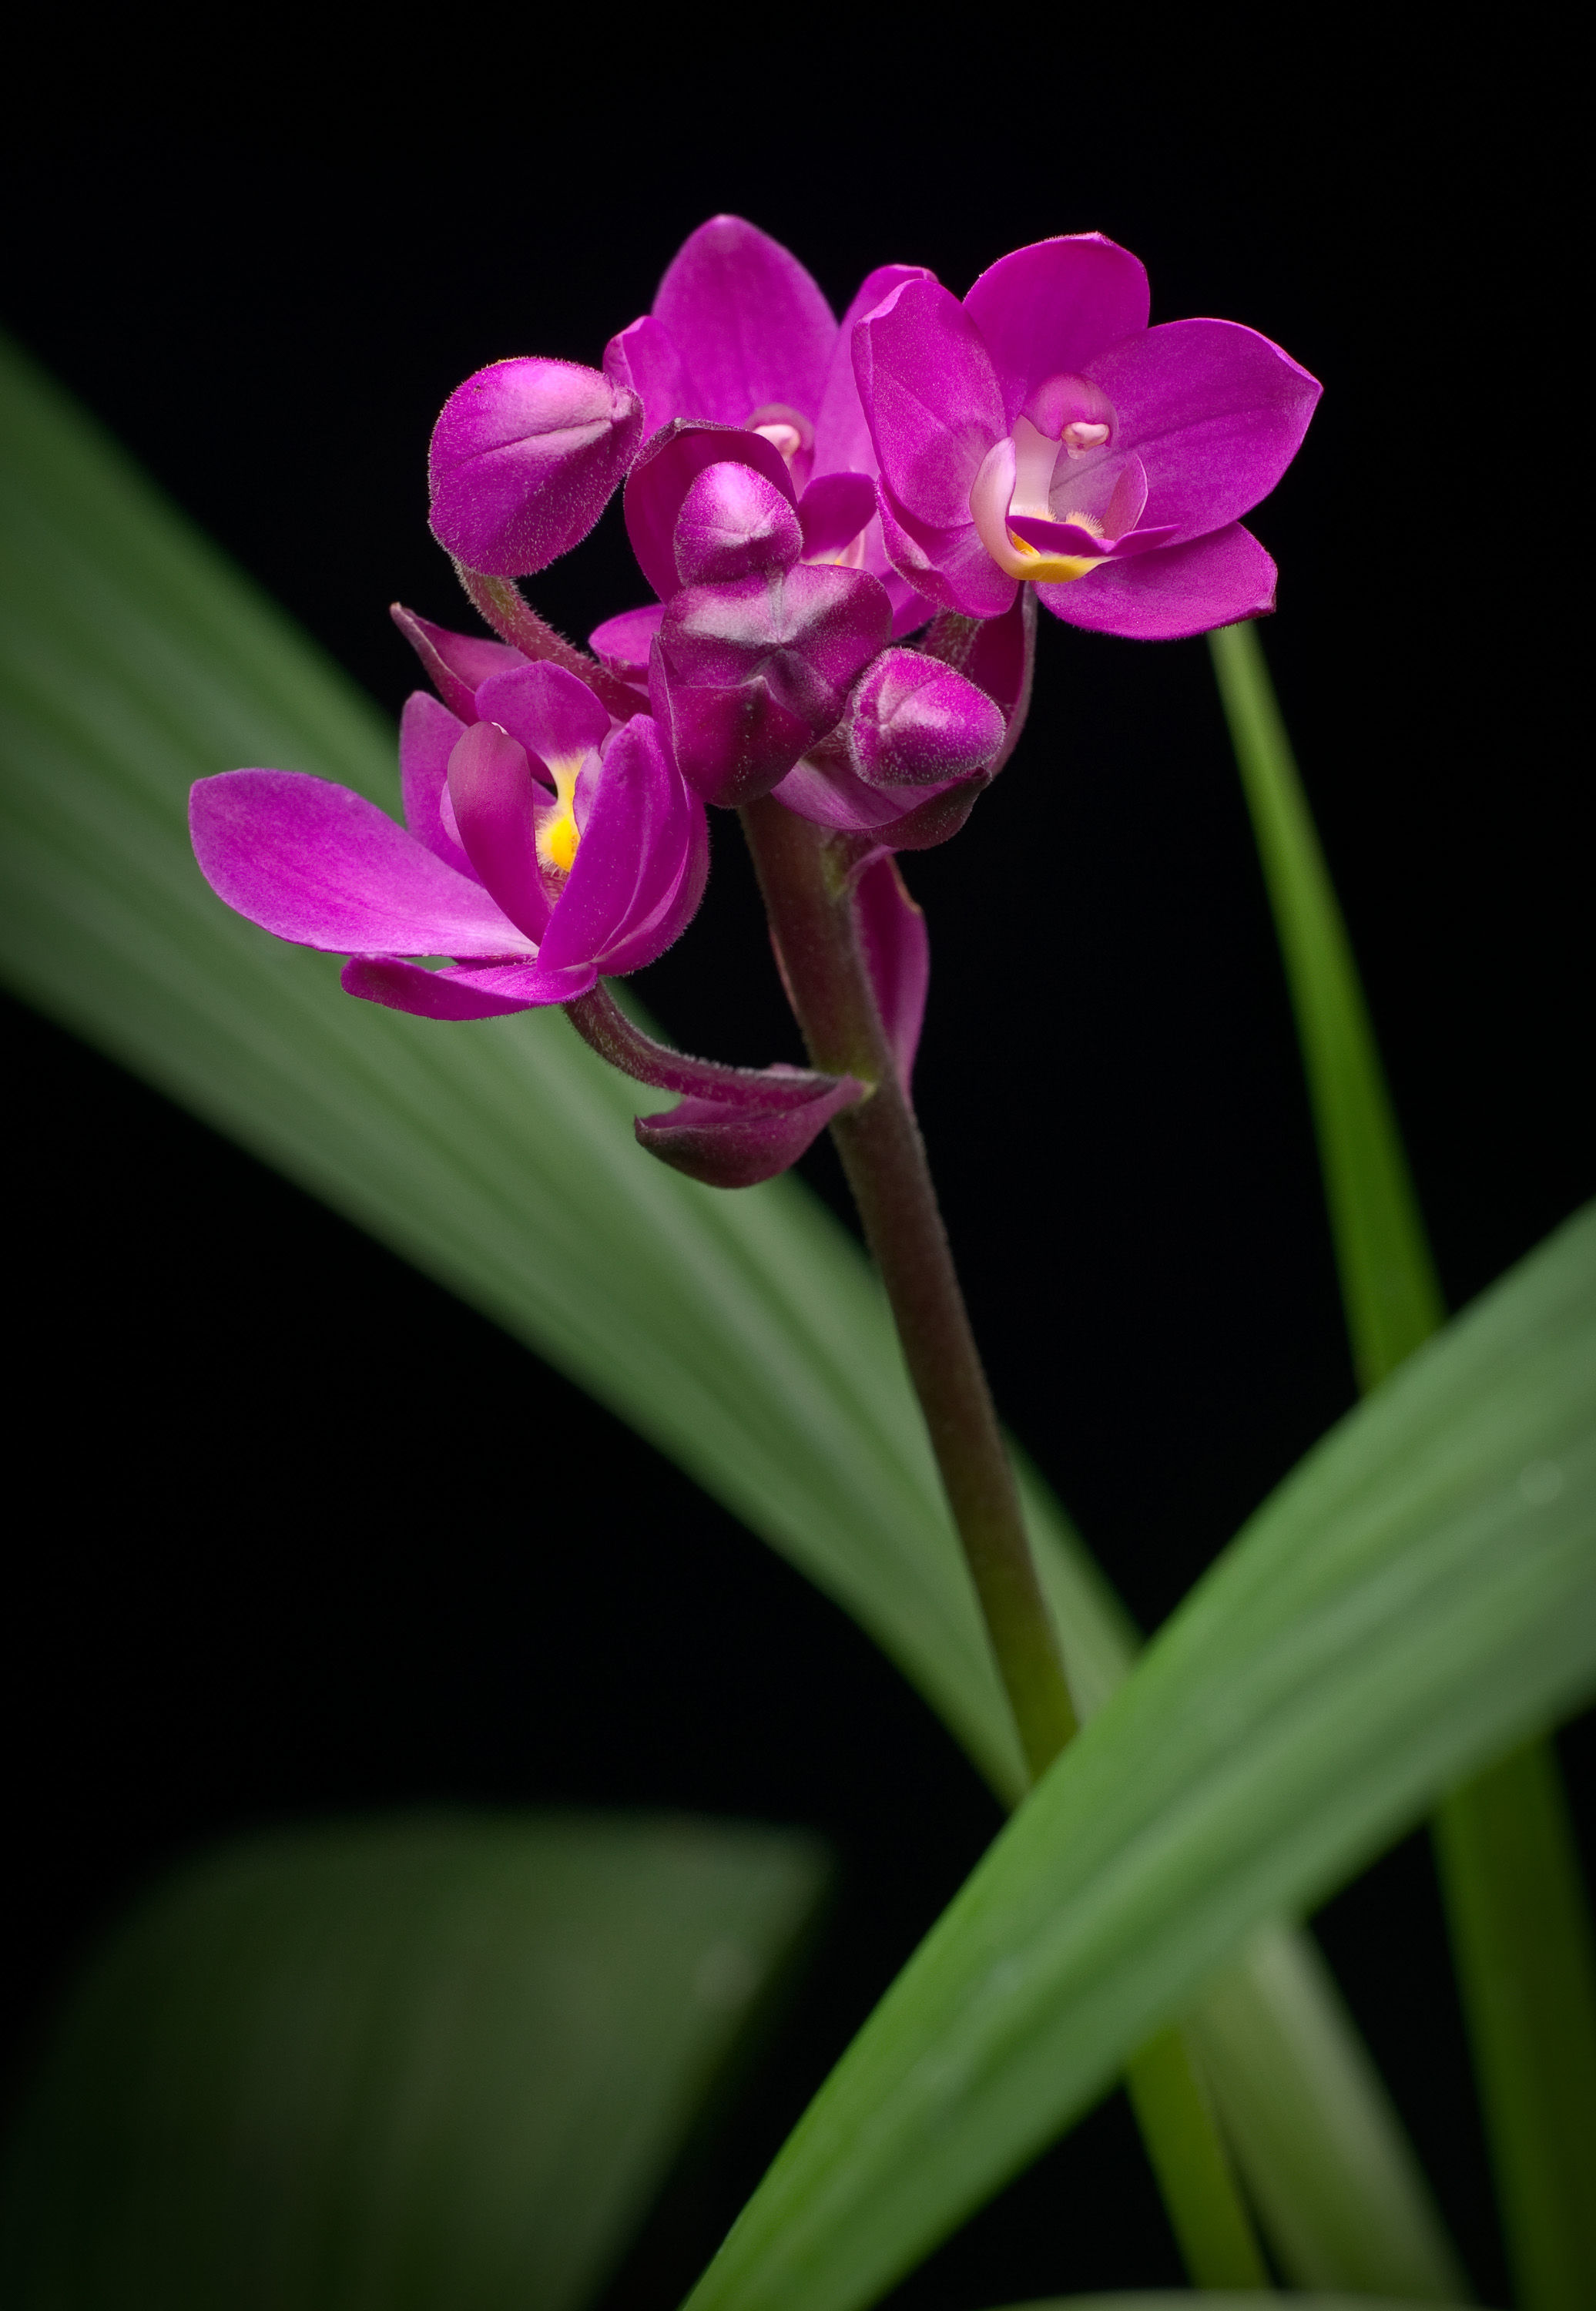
pixel 1174 590
pixel 749 323
pixel 428 736
pixel 913 721
pixel 732 523
pixel 523 461
pixel 930 399
pixel 950 567
pixel 455 663
pixel 1215 412
pixel 491 788
pixel 843 443
pixel 475 994
pixel 833 510
pixel 660 479
pixel 622 643
pixel 551 712
pixel 631 857
pixel 321 866
pixel 644 360
pixel 1052 306
pixel 738 1146
pixel 898 953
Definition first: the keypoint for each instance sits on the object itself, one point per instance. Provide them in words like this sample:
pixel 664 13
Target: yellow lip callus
pixel 557 831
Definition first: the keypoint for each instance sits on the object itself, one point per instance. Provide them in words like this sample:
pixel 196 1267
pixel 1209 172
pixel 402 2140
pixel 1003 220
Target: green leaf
pixel 1509 1871
pixel 412 2063
pixel 1211 2300
pixel 1414 1597
pixel 744 1334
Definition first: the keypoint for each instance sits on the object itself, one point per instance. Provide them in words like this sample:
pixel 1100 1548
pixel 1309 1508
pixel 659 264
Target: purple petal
pixel 738 1146
pixel 1175 590
pixel 826 789
pixel 476 994
pixel 898 953
pixel 950 567
pixel 323 867
pixel 524 460
pixel 914 721
pixel 832 512
pixel 428 736
pixel 931 398
pixel 491 788
pixel 623 643
pixel 732 741
pixel 648 941
pixel 750 325
pixel 809 636
pixel 843 443
pixel 1216 413
pixel 1051 307
pixel 630 860
pixel 455 663
pixel 664 473
pixel 551 713
pixel 733 523
pixel 644 360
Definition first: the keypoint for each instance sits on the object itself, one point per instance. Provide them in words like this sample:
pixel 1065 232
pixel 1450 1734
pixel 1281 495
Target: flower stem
pixel 500 601
pixel 804 876
pixel 812 922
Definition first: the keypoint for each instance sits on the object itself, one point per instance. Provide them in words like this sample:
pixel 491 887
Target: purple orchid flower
pixel 741 336
pixel 543 845
pixel 1042 432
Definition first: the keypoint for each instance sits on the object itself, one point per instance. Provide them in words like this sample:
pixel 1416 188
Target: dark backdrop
pixel 248 1588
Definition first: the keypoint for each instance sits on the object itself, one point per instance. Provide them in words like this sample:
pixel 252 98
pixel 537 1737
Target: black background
pixel 264 264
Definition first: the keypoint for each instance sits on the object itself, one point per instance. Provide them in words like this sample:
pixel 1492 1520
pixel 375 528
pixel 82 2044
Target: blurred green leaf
pixel 1414 1597
pixel 1510 1870
pixel 745 1335
pixel 424 2065
pixel 1168 2300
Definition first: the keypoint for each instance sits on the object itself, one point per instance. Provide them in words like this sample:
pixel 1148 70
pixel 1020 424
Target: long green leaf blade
pixel 744 1334
pixel 1510 1872
pixel 431 2065
pixel 1412 1599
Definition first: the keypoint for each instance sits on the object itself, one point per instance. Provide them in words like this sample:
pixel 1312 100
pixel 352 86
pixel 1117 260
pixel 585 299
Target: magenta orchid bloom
pixel 741 336
pixel 1040 432
pixel 543 845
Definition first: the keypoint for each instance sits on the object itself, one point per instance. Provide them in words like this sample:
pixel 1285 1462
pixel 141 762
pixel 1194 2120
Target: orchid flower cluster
pixel 846 530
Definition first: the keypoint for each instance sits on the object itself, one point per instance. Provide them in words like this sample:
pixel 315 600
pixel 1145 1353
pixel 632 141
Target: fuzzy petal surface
pixel 1173 591
pixel 665 473
pixel 321 866
pixel 914 721
pixel 1051 307
pixel 524 460
pixel 931 398
pixel 1215 412
pixel 749 323
pixel 733 523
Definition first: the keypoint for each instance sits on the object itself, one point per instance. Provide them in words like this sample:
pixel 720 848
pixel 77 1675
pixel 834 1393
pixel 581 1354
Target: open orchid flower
pixel 543 845
pixel 1040 432
pixel 525 458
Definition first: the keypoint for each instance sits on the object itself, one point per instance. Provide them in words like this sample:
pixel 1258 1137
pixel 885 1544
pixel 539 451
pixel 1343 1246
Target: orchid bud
pixel 915 722
pixel 524 458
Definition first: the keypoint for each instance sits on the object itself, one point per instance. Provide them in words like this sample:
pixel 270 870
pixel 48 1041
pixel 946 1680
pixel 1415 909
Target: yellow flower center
pixel 557 831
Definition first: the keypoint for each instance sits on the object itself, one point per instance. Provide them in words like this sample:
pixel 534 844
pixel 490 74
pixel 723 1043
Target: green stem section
pixel 803 877
pixel 1509 1871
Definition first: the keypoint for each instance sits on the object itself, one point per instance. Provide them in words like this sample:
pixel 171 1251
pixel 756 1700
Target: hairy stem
pixel 812 923
pixel 500 601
